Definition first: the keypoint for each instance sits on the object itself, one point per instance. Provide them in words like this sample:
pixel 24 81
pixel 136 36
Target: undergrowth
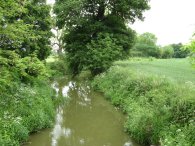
pixel 26 104
pixel 158 111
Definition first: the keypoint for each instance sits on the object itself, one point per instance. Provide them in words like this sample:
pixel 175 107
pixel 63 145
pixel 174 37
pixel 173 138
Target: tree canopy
pixel 180 51
pixel 72 13
pixel 89 23
pixel 146 46
pixel 25 27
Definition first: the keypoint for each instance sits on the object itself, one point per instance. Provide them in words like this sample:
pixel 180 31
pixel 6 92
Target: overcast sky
pixel 50 1
pixel 172 21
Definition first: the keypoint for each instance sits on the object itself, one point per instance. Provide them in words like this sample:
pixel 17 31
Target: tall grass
pixel 177 70
pixel 158 111
pixel 24 109
pixel 26 102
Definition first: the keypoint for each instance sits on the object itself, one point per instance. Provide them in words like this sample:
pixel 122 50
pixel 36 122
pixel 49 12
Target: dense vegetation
pixel 192 48
pixel 94 35
pixel 25 95
pixel 95 32
pixel 158 111
pixel 146 46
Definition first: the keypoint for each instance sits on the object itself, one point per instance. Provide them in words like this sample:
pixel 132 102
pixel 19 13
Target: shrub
pixel 167 52
pixel 28 109
pixel 25 98
pixel 60 66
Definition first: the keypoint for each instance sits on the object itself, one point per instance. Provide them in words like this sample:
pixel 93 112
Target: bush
pixel 25 98
pixel 20 69
pixel 166 52
pixel 152 104
pixel 27 109
pixel 102 52
pixel 60 66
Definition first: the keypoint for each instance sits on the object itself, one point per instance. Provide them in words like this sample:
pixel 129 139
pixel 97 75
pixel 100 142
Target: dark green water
pixel 86 120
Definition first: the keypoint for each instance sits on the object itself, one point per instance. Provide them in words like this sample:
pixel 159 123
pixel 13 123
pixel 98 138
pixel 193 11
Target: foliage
pixel 38 15
pixel 152 104
pixel 26 27
pixel 180 51
pixel 59 67
pixel 13 30
pixel 191 47
pixel 102 52
pixel 167 51
pixel 85 21
pixel 24 109
pixel 22 69
pixel 25 97
pixel 177 135
pixel 72 13
pixel 146 46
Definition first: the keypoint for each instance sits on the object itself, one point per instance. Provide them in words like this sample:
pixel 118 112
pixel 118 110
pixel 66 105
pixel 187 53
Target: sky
pixel 50 1
pixel 172 21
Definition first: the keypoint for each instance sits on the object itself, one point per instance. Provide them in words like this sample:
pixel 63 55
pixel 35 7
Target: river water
pixel 87 119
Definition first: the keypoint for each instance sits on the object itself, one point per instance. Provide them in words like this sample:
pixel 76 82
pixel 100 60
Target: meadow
pixel 177 70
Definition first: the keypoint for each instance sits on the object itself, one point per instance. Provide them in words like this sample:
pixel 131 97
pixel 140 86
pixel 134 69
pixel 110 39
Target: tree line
pixel 146 46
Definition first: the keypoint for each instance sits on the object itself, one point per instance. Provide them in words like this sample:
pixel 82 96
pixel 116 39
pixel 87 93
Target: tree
pixel 167 52
pixel 25 28
pixel 39 16
pixel 191 47
pixel 146 45
pixel 89 22
pixel 180 51
pixel 13 30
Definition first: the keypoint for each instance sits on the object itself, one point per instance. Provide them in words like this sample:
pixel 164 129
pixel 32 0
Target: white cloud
pixel 172 21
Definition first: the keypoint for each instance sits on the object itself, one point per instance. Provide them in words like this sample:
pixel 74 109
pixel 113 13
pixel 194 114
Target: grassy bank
pixel 158 111
pixel 24 110
pixel 26 103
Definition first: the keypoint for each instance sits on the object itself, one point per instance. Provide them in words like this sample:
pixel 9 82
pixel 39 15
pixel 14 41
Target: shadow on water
pixel 86 120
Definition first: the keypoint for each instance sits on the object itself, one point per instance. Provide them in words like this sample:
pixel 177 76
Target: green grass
pixel 179 70
pixel 159 112
pixel 51 58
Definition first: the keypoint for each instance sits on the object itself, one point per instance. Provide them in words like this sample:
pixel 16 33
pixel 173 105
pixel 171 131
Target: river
pixel 86 119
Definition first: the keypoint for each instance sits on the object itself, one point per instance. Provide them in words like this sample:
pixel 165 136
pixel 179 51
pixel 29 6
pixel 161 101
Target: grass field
pixel 179 70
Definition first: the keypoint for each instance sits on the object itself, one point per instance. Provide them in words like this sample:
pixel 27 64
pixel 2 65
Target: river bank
pixel 159 112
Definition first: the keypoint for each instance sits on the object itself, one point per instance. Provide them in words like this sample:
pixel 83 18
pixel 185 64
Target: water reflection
pixel 58 129
pixel 66 88
pixel 87 120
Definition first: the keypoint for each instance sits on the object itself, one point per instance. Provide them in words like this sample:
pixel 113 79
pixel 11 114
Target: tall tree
pixel 180 51
pixel 146 45
pixel 25 27
pixel 13 30
pixel 39 16
pixel 90 23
